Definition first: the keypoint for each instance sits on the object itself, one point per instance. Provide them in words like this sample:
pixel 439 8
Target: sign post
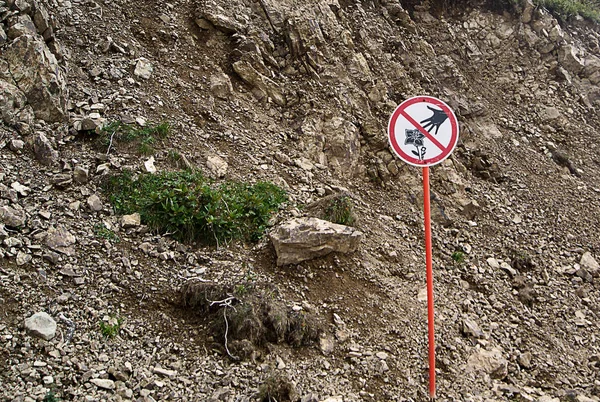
pixel 423 131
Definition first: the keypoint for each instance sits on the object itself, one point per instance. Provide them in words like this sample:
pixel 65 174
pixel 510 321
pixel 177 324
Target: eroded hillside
pixel 299 94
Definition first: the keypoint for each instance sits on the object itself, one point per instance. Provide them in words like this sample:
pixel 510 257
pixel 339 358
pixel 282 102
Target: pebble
pixel 103 383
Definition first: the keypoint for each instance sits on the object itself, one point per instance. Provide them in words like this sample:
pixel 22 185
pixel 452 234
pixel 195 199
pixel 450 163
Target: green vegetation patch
pixel 191 207
pixel 567 8
pixel 145 138
pixel 112 328
pixel 340 210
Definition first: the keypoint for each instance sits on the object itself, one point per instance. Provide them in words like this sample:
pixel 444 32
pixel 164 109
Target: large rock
pixel 303 239
pixel 334 142
pixel 14 110
pixel 60 239
pixel 263 85
pixel 589 263
pixel 490 362
pixel 10 216
pixel 567 57
pixel 42 148
pixel 42 325
pixel 36 72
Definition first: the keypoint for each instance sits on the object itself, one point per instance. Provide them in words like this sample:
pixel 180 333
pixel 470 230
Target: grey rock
pixel 143 68
pixel 326 344
pixel 94 203
pixel 470 328
pixel 217 165
pixel 13 105
pixel 81 175
pixel 525 360
pixel 36 72
pixel 61 240
pixel 164 372
pixel 264 85
pixel 567 57
pixel 23 258
pixel 491 362
pixel 103 383
pixel 41 19
pixel 16 145
pixel 220 86
pixel 310 398
pixel 12 217
pixel 130 221
pixel 589 263
pixel 528 8
pixel 303 239
pixel 62 180
pixel 23 25
pixel 43 150
pixel 41 325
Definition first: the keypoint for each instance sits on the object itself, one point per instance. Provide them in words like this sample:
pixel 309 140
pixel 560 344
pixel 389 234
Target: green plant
pixel 567 8
pixel 191 207
pixel 111 330
pixel 458 257
pixel 50 397
pixel 341 211
pixel 103 232
pixel 118 132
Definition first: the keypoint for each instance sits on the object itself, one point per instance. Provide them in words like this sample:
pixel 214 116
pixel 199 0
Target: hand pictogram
pixel 435 121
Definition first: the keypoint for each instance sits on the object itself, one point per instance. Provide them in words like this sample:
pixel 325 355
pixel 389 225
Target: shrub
pixel 190 207
pixel 145 137
pixel 341 211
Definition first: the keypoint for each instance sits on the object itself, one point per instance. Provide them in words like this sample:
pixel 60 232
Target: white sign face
pixel 423 131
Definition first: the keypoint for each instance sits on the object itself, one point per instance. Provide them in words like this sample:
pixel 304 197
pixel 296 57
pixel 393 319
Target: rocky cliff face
pixel 299 93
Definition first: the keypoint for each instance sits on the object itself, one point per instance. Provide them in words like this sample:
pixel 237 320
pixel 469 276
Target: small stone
pixel 164 372
pixel 130 221
pixel 103 383
pixel 94 203
pixel 220 86
pixel 47 380
pixel 149 165
pixel 23 258
pixel 143 68
pixel 589 263
pixel 22 190
pixel 525 360
pixel 217 166
pixel 81 175
pixel 493 263
pixel 470 328
pixel 61 240
pixel 326 344
pixel 517 219
pixel 12 217
pixel 16 145
pixel 41 325
pixel 43 150
pixel 491 362
pixel 381 355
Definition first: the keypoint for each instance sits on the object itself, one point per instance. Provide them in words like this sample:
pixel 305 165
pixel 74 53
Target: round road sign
pixel 423 131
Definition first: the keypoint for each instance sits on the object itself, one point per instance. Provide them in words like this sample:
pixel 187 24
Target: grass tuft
pixel 111 330
pixel 191 207
pixel 145 137
pixel 341 210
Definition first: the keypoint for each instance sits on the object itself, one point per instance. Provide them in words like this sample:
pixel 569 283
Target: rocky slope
pixel 299 93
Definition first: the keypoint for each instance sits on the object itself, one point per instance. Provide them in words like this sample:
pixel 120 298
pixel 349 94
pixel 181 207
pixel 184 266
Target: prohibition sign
pixel 423 131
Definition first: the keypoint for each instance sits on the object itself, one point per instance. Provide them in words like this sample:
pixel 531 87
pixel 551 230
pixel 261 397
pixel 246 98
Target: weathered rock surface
pixel 42 325
pixel 303 239
pixel 12 217
pixel 491 362
pixel 35 71
pixel 43 150
pixel 60 239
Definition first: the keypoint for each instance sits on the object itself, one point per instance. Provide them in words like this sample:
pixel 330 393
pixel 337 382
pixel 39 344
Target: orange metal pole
pixel 428 257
